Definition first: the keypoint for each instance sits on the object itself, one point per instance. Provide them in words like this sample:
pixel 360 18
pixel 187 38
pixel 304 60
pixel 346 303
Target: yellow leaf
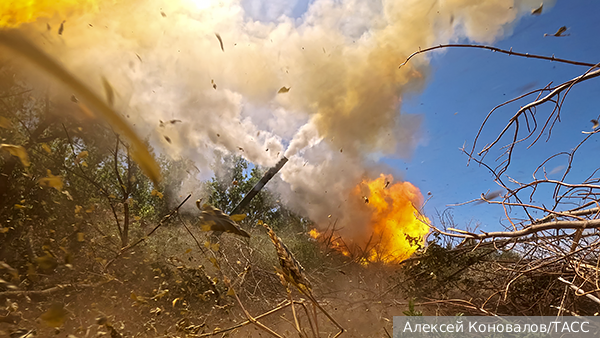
pixel 4 122
pixel 205 227
pixel 4 230
pixel 215 263
pixel 55 316
pixel 137 218
pixel 176 300
pixel 47 263
pixel 78 208
pixel 156 193
pixel 17 151
pixel 188 251
pixel 19 206
pixel 260 222
pixel 283 90
pixel 80 237
pixel 139 151
pixel 82 155
pixel 161 294
pixel 52 181
pixel 237 217
pixel 112 196
pixel 215 247
pixel 206 244
pixel 231 292
pixel 46 148
pixel 84 164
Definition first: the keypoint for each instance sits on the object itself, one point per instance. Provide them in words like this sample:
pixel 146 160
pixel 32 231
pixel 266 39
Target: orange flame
pixel 394 231
pixel 15 13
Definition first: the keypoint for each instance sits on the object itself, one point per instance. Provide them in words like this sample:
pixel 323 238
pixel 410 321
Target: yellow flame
pixel 14 13
pixel 396 228
pixel 395 225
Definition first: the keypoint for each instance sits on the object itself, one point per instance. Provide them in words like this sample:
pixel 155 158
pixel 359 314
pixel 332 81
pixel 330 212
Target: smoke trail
pixel 339 61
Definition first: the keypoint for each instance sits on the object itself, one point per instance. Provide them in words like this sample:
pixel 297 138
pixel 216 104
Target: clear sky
pixel 466 84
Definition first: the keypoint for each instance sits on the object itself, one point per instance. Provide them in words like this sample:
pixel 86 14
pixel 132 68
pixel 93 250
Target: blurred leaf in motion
pixel 52 181
pixel 46 148
pixel 237 217
pixel 47 263
pixel 4 122
pixel 139 151
pixel 156 193
pixel 108 89
pixel 17 151
pixel 55 316
pixel 283 90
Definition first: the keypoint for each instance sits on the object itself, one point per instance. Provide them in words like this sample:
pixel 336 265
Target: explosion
pixel 395 230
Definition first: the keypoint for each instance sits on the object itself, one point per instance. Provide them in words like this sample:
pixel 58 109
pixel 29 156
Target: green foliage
pixel 411 309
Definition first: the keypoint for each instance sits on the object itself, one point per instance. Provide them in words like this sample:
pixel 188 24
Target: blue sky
pixel 465 84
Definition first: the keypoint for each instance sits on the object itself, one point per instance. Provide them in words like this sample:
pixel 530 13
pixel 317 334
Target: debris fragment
pixel 61 28
pixel 220 41
pixel 537 11
pixel 559 32
pixel 283 90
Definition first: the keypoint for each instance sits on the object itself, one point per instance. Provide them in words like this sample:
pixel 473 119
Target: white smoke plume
pixel 339 61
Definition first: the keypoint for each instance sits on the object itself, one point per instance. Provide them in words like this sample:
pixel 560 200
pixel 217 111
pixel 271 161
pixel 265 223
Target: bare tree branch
pixel 495 49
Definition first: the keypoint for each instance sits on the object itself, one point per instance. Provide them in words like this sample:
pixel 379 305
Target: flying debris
pixel 489 196
pixel 537 11
pixel 366 199
pixel 559 32
pixel 61 28
pixel 161 124
pixel 220 42
pixel 213 219
pixel 241 149
pixel 174 121
pixel 387 183
pixel 283 90
pixel 48 27
pixel 164 15
pixel 594 127
pixel 214 85
pixel 168 139
pixel 139 57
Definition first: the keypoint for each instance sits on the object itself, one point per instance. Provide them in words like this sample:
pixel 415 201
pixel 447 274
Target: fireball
pixel 395 228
